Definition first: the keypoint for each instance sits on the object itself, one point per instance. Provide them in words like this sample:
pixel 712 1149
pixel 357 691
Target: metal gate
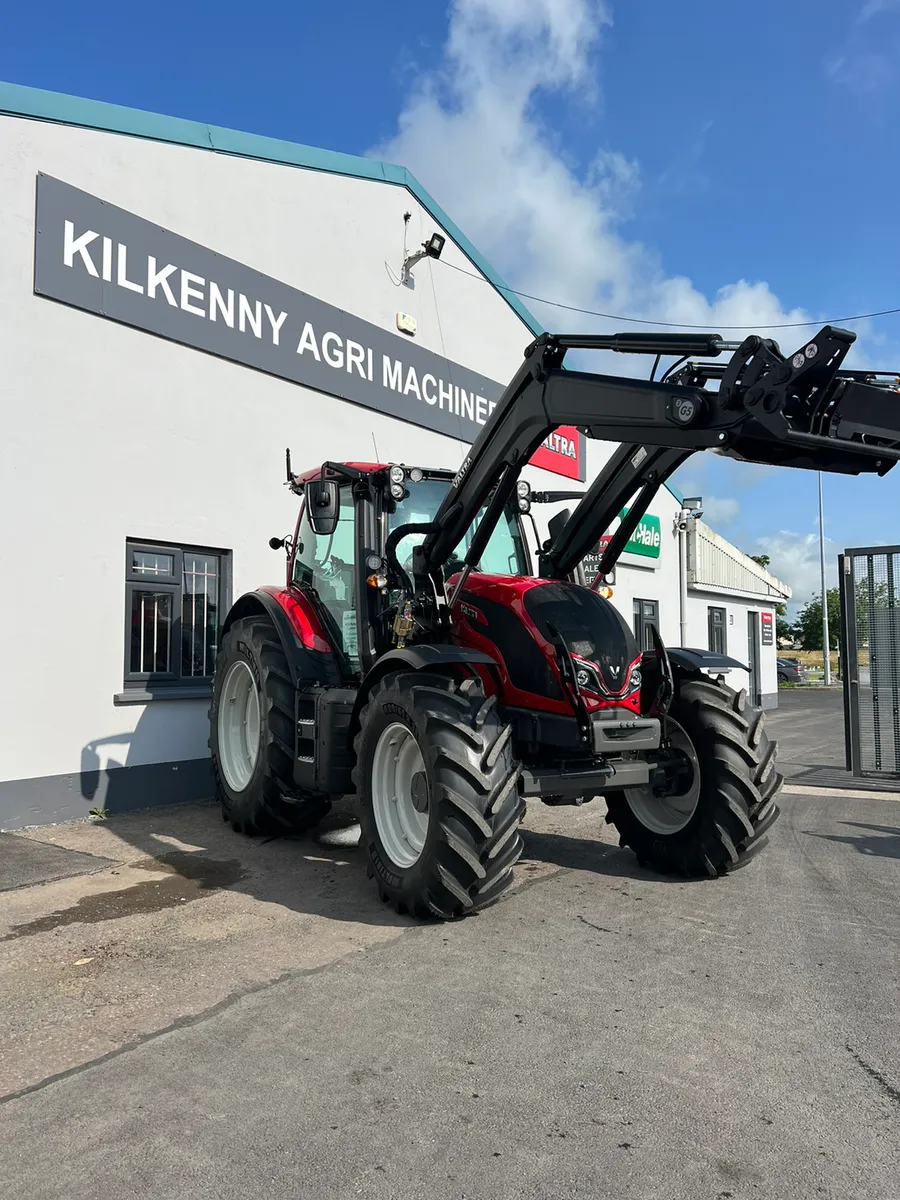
pixel 870 658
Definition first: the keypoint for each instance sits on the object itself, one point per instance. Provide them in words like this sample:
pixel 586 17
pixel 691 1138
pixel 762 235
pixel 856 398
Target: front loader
pixel 414 655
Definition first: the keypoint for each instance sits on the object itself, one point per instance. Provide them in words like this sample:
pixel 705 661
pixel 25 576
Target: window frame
pixel 140 686
pixel 710 626
pixel 640 622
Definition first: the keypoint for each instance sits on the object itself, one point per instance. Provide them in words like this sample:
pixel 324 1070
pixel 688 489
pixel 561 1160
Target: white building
pixel 178 303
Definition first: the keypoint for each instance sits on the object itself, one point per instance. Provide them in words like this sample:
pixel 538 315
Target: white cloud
pixel 863 72
pixel 795 560
pixel 872 8
pixel 866 63
pixel 720 510
pixel 472 132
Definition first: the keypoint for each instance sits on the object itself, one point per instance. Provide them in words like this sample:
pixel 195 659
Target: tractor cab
pixel 338 561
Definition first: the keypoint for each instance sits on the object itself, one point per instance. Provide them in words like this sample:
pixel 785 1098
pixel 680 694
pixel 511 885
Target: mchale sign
pixel 107 261
pixel 645 542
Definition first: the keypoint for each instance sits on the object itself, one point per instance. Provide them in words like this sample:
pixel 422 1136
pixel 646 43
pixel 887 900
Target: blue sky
pixel 695 162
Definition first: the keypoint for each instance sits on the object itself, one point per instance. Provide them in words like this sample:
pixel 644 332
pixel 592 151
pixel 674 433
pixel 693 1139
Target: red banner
pixel 562 452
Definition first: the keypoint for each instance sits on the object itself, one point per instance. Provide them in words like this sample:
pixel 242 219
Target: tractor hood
pixel 526 623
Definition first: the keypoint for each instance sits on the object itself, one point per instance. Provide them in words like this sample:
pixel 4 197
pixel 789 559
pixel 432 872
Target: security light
pixel 691 510
pixel 434 245
pixel 433 248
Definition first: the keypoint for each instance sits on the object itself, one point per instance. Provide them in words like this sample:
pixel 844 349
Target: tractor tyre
pixel 251 740
pixel 714 809
pixel 438 796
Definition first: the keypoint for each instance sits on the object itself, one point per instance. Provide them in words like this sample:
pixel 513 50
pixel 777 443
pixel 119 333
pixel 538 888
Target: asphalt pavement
pixel 808 725
pixel 254 1024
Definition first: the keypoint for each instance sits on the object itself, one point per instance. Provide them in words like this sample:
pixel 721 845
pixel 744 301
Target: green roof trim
pixel 19 101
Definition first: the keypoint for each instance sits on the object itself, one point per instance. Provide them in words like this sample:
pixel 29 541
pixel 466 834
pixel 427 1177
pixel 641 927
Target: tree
pixel 871 601
pixel 762 559
pixel 808 626
pixel 783 627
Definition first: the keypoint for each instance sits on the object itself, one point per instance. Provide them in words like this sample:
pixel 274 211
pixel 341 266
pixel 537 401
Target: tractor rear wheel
pixel 715 801
pixel 438 796
pixel 252 734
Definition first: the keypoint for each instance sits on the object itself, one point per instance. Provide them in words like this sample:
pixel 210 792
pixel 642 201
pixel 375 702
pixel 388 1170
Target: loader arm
pixel 800 412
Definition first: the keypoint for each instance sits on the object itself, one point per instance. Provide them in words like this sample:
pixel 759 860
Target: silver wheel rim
pixel 238 726
pixel 668 814
pixel 395 767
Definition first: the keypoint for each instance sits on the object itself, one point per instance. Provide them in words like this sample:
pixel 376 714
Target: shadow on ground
pixel 188 852
pixel 885 846
pixel 586 854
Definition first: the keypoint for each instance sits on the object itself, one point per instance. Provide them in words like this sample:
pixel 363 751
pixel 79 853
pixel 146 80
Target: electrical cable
pixel 592 312
pixel 677 363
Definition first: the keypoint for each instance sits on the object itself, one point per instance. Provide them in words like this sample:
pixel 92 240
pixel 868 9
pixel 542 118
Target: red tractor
pixel 413 658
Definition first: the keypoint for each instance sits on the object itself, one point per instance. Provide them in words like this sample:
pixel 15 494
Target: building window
pixel 646 615
pixel 175 600
pixel 717 639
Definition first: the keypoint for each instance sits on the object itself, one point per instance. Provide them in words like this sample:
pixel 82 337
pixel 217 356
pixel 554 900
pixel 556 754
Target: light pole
pixel 691 512
pixel 826 648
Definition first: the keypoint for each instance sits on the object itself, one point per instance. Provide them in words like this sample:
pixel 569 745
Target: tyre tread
pixel 277 807
pixel 475 839
pixel 739 802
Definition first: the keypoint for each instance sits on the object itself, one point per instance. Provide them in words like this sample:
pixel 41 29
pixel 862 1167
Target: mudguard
pixel 702 660
pixel 309 655
pixel 417 658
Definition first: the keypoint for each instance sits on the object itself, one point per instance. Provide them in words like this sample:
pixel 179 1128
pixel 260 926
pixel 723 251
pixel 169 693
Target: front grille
pixel 591 627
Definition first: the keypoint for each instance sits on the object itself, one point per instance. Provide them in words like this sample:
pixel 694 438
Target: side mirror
pixel 276 543
pixel 556 523
pixel 323 505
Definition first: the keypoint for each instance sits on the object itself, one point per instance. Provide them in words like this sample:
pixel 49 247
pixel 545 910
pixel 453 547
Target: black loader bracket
pixel 801 411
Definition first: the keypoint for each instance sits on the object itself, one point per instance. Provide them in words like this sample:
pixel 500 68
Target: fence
pixel 870 653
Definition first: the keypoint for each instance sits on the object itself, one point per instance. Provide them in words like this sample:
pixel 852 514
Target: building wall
pixel 736 632
pixel 111 433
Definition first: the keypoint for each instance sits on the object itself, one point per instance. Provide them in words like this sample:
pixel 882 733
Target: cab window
pixel 503 555
pixel 328 565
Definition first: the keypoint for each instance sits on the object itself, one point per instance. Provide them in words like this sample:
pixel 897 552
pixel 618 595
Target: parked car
pixel 791 671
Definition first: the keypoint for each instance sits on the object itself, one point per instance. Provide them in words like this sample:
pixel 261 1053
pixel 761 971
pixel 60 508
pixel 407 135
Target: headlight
pixel 523 488
pixel 398 491
pixel 587 678
pixel 524 504
pixel 417 475
pixel 634 680
pixel 397 476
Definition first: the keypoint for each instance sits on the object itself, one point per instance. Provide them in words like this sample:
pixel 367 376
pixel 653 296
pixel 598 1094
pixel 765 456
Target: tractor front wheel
pixel 438 797
pixel 711 801
pixel 251 737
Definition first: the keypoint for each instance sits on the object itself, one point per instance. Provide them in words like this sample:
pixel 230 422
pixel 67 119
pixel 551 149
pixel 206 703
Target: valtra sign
pixel 107 261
